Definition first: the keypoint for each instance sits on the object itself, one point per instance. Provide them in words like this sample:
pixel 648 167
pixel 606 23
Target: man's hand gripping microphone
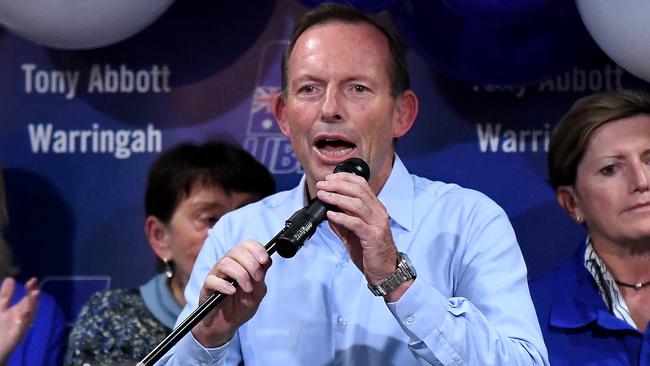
pixel 302 224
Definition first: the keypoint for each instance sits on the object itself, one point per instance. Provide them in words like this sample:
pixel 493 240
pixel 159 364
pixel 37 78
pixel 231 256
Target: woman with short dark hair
pixel 189 188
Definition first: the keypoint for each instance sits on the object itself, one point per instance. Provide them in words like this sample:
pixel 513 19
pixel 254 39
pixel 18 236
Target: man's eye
pixel 360 88
pixel 307 89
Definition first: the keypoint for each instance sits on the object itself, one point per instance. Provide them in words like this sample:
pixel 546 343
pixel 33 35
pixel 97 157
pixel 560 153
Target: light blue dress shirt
pixel 469 305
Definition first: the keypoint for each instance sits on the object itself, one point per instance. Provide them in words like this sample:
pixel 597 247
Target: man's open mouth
pixel 334 147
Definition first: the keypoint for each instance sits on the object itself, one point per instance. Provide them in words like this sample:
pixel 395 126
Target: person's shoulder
pixel 547 280
pixel 110 300
pixel 544 286
pixel 272 201
pixel 451 193
pixel 117 294
pixel 49 308
pixel 44 299
pixel 106 307
pixel 257 208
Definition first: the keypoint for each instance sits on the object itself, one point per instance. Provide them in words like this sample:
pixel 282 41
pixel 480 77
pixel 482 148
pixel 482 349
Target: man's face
pixel 338 102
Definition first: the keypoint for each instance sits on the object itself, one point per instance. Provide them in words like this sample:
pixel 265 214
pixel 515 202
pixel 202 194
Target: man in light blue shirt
pixel 351 296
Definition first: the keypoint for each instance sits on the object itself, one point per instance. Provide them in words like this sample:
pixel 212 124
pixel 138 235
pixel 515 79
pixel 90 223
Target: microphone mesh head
pixel 355 166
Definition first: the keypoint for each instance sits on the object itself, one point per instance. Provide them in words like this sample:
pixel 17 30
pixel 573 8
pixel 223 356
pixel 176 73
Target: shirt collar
pixel 158 298
pixel 607 287
pixel 577 301
pixel 397 195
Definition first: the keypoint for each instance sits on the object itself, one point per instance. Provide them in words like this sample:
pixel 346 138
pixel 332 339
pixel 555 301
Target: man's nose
pixel 331 107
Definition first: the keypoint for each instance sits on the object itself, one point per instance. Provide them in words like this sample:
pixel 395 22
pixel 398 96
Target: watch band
pixel 404 272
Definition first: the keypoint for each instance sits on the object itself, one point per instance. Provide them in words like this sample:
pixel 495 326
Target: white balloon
pixel 79 24
pixel 621 28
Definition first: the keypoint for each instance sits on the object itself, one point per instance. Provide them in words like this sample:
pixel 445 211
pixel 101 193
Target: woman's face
pixel 189 225
pixel 612 189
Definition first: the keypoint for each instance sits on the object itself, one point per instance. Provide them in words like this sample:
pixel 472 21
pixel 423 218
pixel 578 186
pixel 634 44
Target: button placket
pixel 341 321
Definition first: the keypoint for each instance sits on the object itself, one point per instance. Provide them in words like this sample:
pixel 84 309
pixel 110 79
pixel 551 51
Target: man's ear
pixel 157 235
pixel 280 113
pixel 407 110
pixel 567 198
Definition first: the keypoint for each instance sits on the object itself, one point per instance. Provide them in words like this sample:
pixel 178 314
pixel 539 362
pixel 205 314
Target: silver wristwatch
pixel 404 272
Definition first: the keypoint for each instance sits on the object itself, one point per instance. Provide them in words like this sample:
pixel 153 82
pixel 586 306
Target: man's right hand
pixel 247 264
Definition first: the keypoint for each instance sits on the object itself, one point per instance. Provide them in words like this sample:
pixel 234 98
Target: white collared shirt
pixel 607 285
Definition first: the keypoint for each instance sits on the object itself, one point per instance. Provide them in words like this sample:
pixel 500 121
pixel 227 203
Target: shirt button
pixel 342 321
pixel 410 320
pixel 343 263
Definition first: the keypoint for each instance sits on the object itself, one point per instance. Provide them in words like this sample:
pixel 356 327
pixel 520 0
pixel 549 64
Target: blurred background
pixel 92 90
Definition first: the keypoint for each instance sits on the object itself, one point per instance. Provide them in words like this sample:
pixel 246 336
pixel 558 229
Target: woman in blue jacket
pixel 32 325
pixel 594 309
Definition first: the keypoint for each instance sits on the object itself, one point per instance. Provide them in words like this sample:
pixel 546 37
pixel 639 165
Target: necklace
pixel 637 286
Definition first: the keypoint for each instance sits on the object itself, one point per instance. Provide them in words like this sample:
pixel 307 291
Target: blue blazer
pixel 44 343
pixel 577 326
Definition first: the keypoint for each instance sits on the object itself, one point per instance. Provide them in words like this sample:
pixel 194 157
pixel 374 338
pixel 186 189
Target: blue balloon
pixel 499 12
pixel 480 53
pixel 369 6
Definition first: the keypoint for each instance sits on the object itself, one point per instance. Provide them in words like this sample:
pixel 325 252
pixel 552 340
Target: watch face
pixel 407 260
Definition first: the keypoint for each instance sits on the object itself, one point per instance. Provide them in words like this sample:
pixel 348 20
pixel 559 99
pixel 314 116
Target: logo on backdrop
pixel 264 140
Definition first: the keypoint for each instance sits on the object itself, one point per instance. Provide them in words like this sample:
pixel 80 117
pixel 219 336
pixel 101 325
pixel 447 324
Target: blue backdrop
pixel 79 128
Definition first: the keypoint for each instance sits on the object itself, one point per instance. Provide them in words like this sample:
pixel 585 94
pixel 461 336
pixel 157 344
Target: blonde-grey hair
pixel 6 261
pixel 571 135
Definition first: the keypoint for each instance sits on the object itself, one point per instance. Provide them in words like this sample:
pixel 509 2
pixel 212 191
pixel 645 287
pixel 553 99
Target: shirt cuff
pixel 420 310
pixel 423 314
pixel 202 355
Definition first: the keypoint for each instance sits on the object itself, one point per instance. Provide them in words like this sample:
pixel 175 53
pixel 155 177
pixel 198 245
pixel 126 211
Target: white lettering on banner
pixel 493 138
pixel 102 79
pixel 53 82
pixel 580 80
pixel 574 80
pixel 518 91
pixel 120 143
pixel 124 80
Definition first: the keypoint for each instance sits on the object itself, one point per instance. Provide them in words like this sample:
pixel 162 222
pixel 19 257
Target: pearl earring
pixel 169 272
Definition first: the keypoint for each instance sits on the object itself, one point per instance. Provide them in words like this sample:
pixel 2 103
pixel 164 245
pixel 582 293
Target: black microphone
pixel 302 224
